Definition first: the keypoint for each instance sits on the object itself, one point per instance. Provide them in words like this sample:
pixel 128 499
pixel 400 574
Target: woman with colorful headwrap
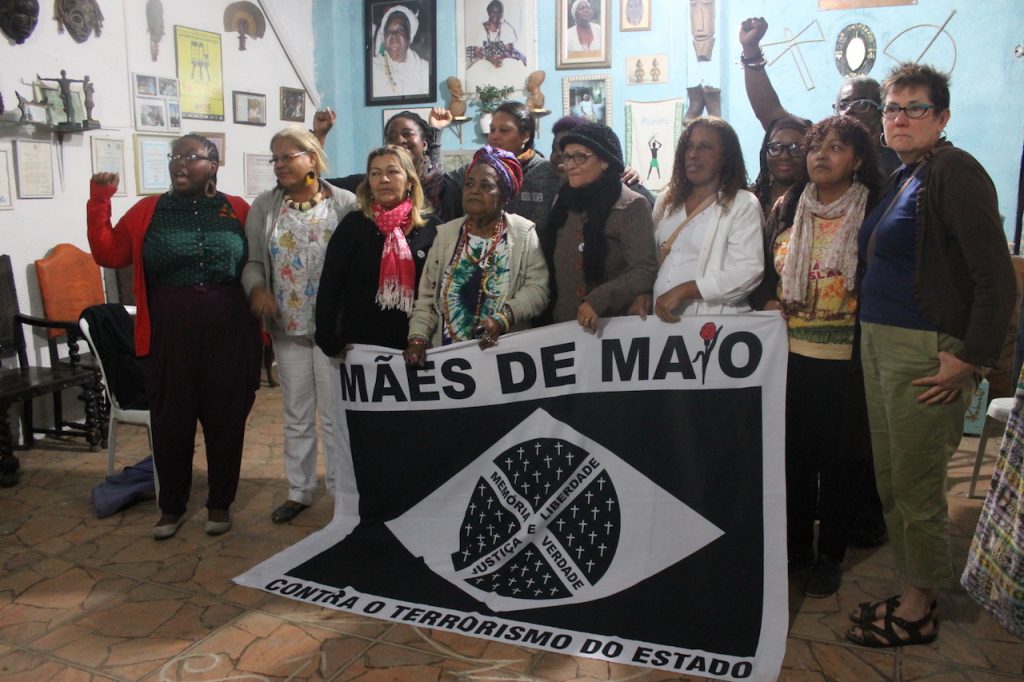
pixel 397 70
pixel 485 273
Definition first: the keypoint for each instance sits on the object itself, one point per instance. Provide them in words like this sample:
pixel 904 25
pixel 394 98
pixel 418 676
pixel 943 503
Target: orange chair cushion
pixel 69 282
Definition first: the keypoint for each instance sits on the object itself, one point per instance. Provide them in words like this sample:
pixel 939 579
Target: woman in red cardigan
pixel 198 341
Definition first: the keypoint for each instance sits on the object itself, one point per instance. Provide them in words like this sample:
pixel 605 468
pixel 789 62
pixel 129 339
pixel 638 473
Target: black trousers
pixel 827 454
pixel 203 367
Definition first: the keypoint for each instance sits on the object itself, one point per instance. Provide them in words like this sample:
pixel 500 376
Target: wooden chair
pixel 69 282
pixel 24 382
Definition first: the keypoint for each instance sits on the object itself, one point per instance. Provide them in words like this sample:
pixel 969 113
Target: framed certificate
pixel 6 188
pixel 259 174
pixel 34 169
pixel 108 157
pixel 152 175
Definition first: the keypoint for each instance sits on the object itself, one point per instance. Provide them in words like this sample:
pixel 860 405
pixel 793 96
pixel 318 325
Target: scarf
pixel 397 282
pixel 841 254
pixel 595 202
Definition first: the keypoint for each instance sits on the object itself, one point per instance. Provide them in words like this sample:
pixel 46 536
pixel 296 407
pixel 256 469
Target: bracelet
pixel 417 341
pixel 506 310
pixel 500 318
pixel 756 63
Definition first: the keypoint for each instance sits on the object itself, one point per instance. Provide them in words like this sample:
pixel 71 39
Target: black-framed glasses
pixel 576 159
pixel 856 106
pixel 794 149
pixel 285 157
pixel 913 110
pixel 188 158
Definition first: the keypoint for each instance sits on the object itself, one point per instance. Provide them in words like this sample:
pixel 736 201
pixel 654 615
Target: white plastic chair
pixel 995 423
pixel 117 414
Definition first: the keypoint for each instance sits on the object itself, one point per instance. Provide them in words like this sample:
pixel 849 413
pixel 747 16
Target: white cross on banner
pixel 618 495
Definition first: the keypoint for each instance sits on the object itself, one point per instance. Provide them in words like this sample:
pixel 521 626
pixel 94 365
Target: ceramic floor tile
pixel 26 666
pixel 480 652
pixel 327 618
pixel 390 663
pixel 562 668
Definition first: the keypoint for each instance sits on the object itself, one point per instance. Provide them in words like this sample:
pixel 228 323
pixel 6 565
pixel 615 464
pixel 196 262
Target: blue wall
pixel 988 80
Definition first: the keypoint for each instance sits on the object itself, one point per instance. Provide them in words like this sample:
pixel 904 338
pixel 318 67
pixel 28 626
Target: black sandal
pixel 872 636
pixel 867 611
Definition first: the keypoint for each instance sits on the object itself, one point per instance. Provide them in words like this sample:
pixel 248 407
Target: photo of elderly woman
pixel 400 64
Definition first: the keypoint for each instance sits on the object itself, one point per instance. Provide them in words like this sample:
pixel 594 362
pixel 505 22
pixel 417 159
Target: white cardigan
pixel 731 261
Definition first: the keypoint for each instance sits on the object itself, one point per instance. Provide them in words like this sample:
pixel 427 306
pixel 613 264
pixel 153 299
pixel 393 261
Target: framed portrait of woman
pixel 635 15
pixel 401 51
pixel 495 42
pixel 583 33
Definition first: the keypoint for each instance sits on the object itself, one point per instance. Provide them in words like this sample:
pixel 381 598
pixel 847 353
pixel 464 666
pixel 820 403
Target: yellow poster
pixel 199 73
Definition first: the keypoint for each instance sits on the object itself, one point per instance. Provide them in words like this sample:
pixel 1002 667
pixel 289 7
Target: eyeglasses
pixel 793 149
pixel 914 110
pixel 577 159
pixel 285 157
pixel 857 106
pixel 188 158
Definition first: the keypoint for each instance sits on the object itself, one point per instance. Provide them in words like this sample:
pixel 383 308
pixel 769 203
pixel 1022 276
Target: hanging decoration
pixel 18 18
pixel 78 17
pixel 246 19
pixel 155 26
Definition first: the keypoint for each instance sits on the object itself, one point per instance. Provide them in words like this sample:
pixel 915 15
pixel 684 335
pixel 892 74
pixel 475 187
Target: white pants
pixel 306 376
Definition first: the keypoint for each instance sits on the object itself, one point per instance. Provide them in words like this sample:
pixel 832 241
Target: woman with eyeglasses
pixel 781 160
pixel 199 343
pixel 936 298
pixel 288 230
pixel 598 246
pixel 707 228
pixel 810 276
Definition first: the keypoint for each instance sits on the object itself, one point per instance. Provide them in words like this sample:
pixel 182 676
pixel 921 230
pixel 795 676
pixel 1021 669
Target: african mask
pixel 79 17
pixel 702 27
pixel 18 18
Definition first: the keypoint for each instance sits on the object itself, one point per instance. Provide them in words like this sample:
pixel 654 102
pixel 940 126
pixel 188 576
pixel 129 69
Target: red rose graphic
pixel 708 332
pixel 709 335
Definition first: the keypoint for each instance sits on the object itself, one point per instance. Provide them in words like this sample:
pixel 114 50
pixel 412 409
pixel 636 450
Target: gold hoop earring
pixel 211 188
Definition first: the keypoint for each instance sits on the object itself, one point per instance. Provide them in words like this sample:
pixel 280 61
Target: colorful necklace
pixel 485 262
pixel 305 205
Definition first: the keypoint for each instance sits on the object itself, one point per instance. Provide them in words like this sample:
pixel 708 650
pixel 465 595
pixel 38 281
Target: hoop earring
pixel 211 187
pixel 942 137
pixel 310 178
pixel 408 193
pixel 881 140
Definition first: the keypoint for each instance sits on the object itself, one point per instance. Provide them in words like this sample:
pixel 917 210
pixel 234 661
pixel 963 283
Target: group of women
pixel 923 264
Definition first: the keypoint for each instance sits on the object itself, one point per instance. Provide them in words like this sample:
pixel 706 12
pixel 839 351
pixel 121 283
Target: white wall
pixel 34 226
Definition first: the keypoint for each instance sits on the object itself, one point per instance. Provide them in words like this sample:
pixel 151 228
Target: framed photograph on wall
pixel 200 75
pixel 293 104
pixel 108 157
pixel 174 115
pixel 635 15
pixel 150 114
pixel 496 48
pixel 250 108
pixel 220 141
pixel 6 181
pixel 400 41
pixel 145 85
pixel 152 175
pixel 33 161
pixel 386 114
pixel 583 34
pixel 647 69
pixel 168 87
pixel 588 97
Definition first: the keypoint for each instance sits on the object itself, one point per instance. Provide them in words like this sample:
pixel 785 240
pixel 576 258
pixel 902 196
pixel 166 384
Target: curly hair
pixel 732 175
pixel 762 187
pixel 852 132
pixel 365 196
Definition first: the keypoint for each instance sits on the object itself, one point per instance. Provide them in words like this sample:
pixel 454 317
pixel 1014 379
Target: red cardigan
pixel 116 247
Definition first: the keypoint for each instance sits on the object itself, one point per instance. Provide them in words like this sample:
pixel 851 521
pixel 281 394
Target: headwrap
pixel 506 165
pixel 575 5
pixel 599 139
pixel 414 26
pixel 397 282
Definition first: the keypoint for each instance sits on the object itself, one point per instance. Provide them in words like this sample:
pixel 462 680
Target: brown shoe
pixel 167 526
pixel 218 522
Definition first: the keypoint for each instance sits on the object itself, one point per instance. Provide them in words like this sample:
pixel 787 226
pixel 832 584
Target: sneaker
pixel 287 511
pixel 825 579
pixel 167 526
pixel 218 522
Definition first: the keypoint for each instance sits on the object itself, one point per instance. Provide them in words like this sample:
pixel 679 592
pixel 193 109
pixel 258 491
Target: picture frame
pixel 502 56
pixel 200 73
pixel 588 97
pixel 150 114
pixel 167 87
pixel 108 157
pixel 249 108
pixel 33 167
pixel 582 49
pixel 220 140
pixel 386 114
pixel 293 104
pixel 35 112
pixel 145 85
pixel 55 115
pixel 152 175
pixel 174 115
pixel 634 15
pixel 652 132
pixel 259 174
pixel 647 69
pixel 402 72
pixel 6 181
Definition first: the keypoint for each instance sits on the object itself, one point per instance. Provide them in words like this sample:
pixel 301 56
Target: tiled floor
pixel 89 599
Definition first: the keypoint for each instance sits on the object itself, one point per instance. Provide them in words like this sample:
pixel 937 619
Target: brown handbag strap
pixel 666 247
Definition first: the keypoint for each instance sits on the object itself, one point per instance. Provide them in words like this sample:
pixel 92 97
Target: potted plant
pixel 488 99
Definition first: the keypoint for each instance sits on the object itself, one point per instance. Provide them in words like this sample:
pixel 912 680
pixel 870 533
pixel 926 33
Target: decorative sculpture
pixel 534 97
pixel 246 19
pixel 655 70
pixel 88 88
pixel 79 17
pixel 638 72
pixel 18 18
pixel 155 26
pixel 457 103
pixel 64 83
pixel 702 28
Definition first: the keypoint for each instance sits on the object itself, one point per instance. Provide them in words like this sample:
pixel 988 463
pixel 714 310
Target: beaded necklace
pixel 305 205
pixel 485 262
